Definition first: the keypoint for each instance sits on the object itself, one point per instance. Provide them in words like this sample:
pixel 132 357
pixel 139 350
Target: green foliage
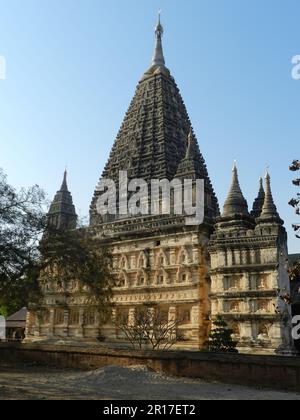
pixel 76 255
pixel 22 221
pixel 32 252
pixel 220 339
pixel 4 311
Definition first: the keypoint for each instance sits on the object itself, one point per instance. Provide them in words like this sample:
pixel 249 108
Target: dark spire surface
pixel 64 185
pixel 259 201
pixel 62 214
pixel 269 211
pixel 152 140
pixel 235 202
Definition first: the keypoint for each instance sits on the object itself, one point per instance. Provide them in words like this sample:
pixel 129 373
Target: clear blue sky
pixel 72 69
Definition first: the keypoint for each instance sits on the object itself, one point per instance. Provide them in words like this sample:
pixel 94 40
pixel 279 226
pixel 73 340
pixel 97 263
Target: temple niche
pixel 233 264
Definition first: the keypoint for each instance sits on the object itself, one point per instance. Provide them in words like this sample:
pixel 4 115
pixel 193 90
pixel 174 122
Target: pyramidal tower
pixel 62 213
pixel 154 136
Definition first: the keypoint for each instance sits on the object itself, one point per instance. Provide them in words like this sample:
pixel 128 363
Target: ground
pixel 32 382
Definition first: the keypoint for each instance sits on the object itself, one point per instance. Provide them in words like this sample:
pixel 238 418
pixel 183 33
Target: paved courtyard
pixel 117 383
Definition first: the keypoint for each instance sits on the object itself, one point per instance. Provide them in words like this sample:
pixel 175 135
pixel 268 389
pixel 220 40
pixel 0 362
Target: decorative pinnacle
pixel 64 185
pixel 235 202
pixel 269 212
pixel 269 208
pixel 159 30
pixel 259 201
pixel 190 149
pixel 158 58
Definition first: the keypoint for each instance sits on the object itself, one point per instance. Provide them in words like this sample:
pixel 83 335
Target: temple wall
pixel 248 275
pixel 167 273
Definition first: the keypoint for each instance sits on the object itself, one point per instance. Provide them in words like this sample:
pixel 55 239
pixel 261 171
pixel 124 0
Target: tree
pixel 33 252
pixel 77 255
pixel 149 327
pixel 220 339
pixel 22 221
pixel 294 270
pixel 296 201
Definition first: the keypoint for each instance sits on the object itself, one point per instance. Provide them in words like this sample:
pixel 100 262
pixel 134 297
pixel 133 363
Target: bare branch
pixel 149 328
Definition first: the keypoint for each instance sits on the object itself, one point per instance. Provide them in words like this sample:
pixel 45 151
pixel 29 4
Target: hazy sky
pixel 72 69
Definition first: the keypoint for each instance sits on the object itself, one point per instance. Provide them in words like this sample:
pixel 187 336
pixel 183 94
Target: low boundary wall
pixel 275 372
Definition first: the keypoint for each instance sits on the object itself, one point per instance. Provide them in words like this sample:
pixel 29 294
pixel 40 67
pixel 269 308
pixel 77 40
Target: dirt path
pixel 116 383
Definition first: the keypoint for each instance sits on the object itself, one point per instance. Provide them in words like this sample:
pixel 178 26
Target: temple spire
pixel 158 57
pixel 190 151
pixel 259 201
pixel 62 213
pixel 269 210
pixel 235 202
pixel 156 113
pixel 64 185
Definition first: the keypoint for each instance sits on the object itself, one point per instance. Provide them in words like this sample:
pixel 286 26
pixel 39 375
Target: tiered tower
pixel 248 271
pixel 62 213
pixel 44 324
pixel 154 137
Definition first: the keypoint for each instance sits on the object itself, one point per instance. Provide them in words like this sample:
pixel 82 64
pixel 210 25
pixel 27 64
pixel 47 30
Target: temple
pixel 233 264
